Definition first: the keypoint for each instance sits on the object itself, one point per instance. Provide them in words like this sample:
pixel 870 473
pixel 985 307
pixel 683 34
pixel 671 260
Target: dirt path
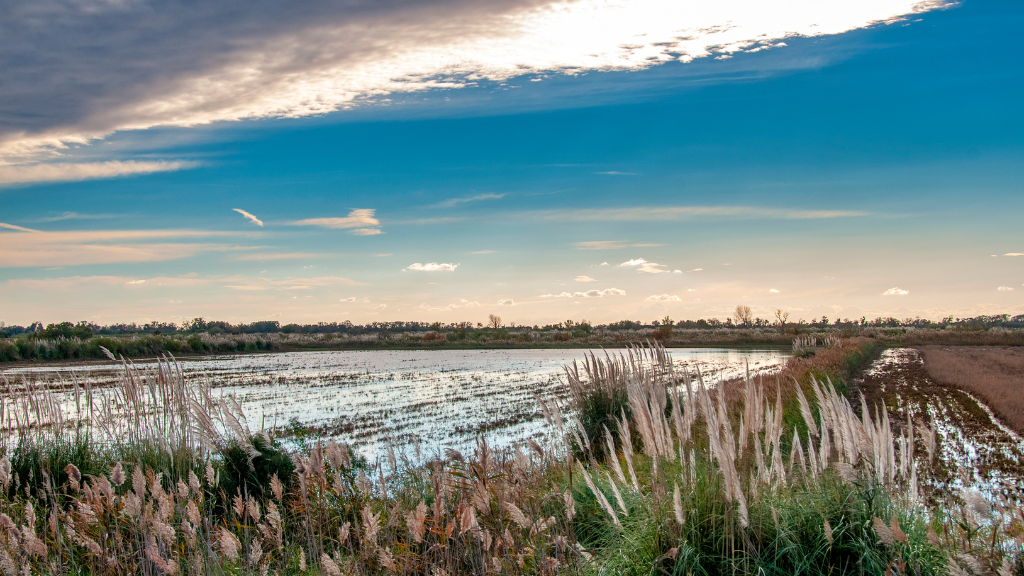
pixel 974 449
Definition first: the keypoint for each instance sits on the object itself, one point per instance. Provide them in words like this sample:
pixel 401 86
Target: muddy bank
pixel 974 449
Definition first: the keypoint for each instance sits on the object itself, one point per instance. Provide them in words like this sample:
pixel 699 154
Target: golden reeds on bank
pixel 675 477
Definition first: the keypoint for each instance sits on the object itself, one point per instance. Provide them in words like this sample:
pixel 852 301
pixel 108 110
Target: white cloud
pixel 773 291
pixel 614 173
pixel 17 228
pixel 895 291
pixel 1013 254
pixel 645 266
pixel 588 294
pixel 470 304
pixel 1005 289
pixel 677 271
pixel 508 302
pixel 433 267
pixel 664 298
pixel 349 299
pixel 254 219
pixel 359 218
pixel 72 171
pixel 695 270
pixel 585 279
pixel 455 201
pixel 603 264
pixel 276 64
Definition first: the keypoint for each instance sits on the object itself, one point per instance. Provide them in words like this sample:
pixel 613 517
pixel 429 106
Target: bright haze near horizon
pixel 442 160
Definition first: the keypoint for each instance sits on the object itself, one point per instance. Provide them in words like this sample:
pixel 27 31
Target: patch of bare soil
pixel 993 373
pixel 974 449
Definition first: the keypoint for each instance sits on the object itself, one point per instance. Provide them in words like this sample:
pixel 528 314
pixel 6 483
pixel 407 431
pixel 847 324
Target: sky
pixel 443 160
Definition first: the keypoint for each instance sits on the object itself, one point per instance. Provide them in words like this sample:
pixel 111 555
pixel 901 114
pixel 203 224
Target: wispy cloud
pixel 588 294
pixel 1005 289
pixel 695 270
pixel 25 247
pixel 615 173
pixel 585 279
pixel 773 291
pixel 277 256
pixel 349 299
pixel 252 218
pixel 456 201
pixel 664 298
pixel 611 245
pixel 362 219
pixel 76 216
pixel 669 213
pixel 1014 254
pixel 6 226
pixel 432 267
pixel 485 252
pixel 73 171
pixel 507 302
pixel 895 291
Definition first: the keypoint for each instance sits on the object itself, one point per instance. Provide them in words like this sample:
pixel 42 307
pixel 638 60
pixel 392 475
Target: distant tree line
pixel 742 319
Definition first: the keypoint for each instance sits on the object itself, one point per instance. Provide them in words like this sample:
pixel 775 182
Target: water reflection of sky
pixel 444 398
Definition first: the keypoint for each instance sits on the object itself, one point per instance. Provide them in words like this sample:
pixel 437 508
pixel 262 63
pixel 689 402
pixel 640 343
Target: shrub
pixel 250 472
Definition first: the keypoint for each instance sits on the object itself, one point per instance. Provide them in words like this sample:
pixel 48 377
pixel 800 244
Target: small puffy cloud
pixel 664 298
pixel 585 279
pixel 677 271
pixel 469 303
pixel 1005 289
pixel 252 218
pixel 895 291
pixel 695 270
pixel 508 302
pixel 1014 254
pixel 361 219
pixel 773 291
pixel 380 306
pixel 588 294
pixel 603 264
pixel 644 266
pixel 432 267
pixel 349 299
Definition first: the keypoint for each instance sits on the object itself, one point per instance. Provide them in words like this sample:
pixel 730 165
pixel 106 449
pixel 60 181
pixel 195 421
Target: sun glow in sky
pixel 597 159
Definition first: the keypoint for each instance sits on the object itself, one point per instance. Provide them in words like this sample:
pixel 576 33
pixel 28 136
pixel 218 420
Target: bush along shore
pixel 67 341
pixel 648 471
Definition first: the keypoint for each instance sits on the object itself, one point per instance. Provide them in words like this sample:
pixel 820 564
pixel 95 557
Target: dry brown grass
pixel 995 374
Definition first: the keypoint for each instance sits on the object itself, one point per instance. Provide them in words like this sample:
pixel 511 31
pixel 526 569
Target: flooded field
pixel 435 398
pixel 974 449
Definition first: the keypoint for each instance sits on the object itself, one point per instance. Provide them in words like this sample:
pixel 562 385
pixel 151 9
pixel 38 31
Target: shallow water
pixel 974 449
pixel 440 398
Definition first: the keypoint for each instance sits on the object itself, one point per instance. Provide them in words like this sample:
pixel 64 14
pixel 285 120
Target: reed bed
pixel 680 479
pixel 995 374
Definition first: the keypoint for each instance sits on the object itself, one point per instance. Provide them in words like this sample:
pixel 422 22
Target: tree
pixel 781 317
pixel 743 315
pixel 494 321
pixel 666 321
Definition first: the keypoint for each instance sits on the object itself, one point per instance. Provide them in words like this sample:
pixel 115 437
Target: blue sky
pixel 873 170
